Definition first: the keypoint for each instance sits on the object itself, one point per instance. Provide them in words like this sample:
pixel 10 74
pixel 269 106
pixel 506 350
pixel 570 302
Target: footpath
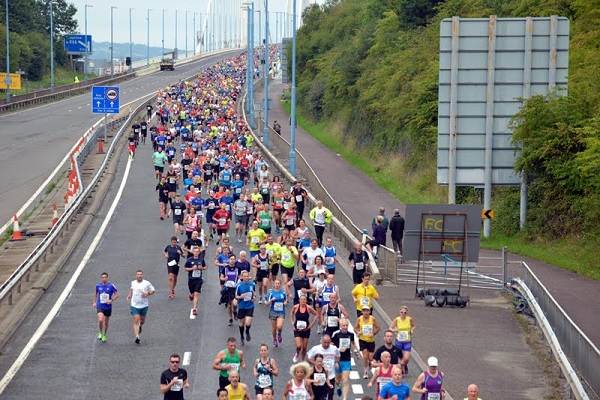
pixel 482 344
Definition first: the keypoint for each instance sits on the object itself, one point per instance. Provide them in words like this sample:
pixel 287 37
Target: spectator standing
pixel 385 222
pixel 397 230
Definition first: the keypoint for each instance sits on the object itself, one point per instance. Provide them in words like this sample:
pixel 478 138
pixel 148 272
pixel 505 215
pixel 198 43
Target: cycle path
pixel 482 344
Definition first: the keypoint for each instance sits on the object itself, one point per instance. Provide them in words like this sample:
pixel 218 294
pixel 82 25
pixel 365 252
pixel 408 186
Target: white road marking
pixel 69 110
pixel 12 372
pixel 192 316
pixel 187 357
pixel 79 107
pixel 352 362
pixel 357 389
pixel 354 375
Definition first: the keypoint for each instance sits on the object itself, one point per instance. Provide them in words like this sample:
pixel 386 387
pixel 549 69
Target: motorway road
pixel 34 141
pixel 70 363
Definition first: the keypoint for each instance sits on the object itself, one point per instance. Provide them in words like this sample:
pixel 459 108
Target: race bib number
pixel 264 265
pixel 238 190
pixel 328 260
pixel 299 198
pixel 365 301
pixel 248 296
pixel 177 386
pixel 234 367
pixel 104 297
pixel 171 180
pixel 222 221
pixel 255 240
pixel 265 221
pixel 178 211
pixel 286 257
pixel 434 396
pixel 301 325
pixel 286 206
pixel 320 378
pixel 172 263
pixel 332 321
pixel 196 273
pixel 230 284
pixel 211 205
pixel 326 296
pixel 383 381
pixel 367 329
pixel 299 396
pixel 402 336
pixel 329 363
pixel 345 343
pixel 264 381
pixel 278 306
pixel 359 265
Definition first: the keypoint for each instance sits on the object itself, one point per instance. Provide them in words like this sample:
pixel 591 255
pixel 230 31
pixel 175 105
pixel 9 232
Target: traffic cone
pixel 54 215
pixel 16 230
pixel 100 148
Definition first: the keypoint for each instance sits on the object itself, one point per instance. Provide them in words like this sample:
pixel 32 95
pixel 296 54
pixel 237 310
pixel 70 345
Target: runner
pixel 404 326
pixel 363 294
pixel 343 339
pixel 330 254
pixel 222 218
pixel 389 346
pixel 320 217
pixel 331 315
pixel 302 286
pixel 244 293
pixel 174 380
pixel 298 388
pixel 309 254
pixel 396 389
pixel 366 327
pixel 211 204
pixel 178 208
pixel 132 141
pixel 139 292
pixel 319 379
pixel 228 360
pixel 229 278
pixel 104 296
pixel 289 256
pixel 173 254
pixel 319 284
pixel 331 358
pixel 239 210
pixel 276 300
pixel 274 253
pixel 359 260
pixel 299 194
pixel 163 196
pixel 300 320
pixel 195 266
pixel 265 368
pixel 278 206
pixel 191 222
pixel 236 389
pixel 194 241
pixel 260 262
pixel 255 238
pixel 382 374
pixel 159 158
pixel 265 218
pixel 430 382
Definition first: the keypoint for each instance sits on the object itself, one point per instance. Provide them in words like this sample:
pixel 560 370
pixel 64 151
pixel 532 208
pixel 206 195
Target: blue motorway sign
pixel 105 99
pixel 78 43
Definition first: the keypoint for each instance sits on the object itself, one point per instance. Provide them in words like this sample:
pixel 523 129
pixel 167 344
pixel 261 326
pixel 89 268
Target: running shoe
pixel 279 338
pixel 218 241
pixel 171 295
pixel 99 337
pixel 195 312
pixel 275 343
pixel 260 300
pixel 242 341
pixel 339 389
pixel 140 328
pixel 104 338
pixel 248 338
pixel 137 340
pixel 319 329
pixel 230 322
pixel 296 358
pixel 239 240
pixel 191 297
pixel 366 375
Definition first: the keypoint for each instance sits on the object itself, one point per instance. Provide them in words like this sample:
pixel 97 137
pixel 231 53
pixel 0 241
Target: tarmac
pixel 482 344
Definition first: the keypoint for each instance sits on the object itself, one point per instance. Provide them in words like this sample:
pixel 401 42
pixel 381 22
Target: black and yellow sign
pixel 487 214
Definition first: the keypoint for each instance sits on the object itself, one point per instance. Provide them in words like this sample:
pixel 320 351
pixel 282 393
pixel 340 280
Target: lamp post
pixel 87 48
pixel 130 43
pixel 186 34
pixel 259 28
pixel 266 95
pixel 293 114
pixel 51 51
pixel 247 9
pixel 251 62
pixel 112 63
pixel 163 34
pixel 7 80
pixel 148 39
pixel 175 50
pixel 194 32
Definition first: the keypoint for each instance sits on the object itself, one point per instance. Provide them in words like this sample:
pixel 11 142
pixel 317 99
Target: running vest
pixel 332 318
pixel 302 319
pixel 265 377
pixel 235 394
pixel 433 386
pixel 327 292
pixel 404 327
pixel 366 327
pixel 298 392
pixel 383 378
pixel 263 263
pixel 233 360
pixel 232 276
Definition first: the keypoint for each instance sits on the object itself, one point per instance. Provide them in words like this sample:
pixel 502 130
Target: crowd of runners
pixel 220 192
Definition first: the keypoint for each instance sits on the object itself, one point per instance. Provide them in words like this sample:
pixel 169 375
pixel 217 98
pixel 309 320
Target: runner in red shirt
pixel 222 218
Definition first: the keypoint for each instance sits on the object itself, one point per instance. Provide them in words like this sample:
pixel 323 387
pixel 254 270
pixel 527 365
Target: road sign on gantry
pixel 105 99
pixel 487 65
pixel 78 44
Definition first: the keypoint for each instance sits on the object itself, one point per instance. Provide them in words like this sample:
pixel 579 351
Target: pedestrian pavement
pixel 482 344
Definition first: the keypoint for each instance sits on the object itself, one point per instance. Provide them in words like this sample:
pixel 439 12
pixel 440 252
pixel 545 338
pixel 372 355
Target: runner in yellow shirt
pixel 363 294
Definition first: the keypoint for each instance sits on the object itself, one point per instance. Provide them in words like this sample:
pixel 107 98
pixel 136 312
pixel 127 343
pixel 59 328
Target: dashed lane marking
pixel 187 357
pixel 354 375
pixel 357 389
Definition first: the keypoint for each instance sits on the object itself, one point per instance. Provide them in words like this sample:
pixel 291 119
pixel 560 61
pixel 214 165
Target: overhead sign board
pixel 13 81
pixel 105 100
pixel 486 66
pixel 78 44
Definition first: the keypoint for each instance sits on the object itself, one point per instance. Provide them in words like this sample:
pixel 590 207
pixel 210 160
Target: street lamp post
pixel 251 60
pixel 259 29
pixel 247 5
pixel 112 62
pixel 163 34
pixel 130 43
pixel 175 50
pixel 148 39
pixel 194 32
pixel 87 48
pixel 293 115
pixel 266 95
pixel 51 50
pixel 7 80
pixel 186 34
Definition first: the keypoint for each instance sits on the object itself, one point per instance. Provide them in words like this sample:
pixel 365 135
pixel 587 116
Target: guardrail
pixel 341 225
pixel 563 334
pixel 83 147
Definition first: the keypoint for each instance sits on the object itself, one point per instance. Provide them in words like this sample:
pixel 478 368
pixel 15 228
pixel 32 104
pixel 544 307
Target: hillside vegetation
pixel 368 70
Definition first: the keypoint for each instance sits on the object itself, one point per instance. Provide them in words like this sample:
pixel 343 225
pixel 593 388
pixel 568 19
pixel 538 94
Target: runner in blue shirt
pixel 277 299
pixel 396 387
pixel 244 294
pixel 105 294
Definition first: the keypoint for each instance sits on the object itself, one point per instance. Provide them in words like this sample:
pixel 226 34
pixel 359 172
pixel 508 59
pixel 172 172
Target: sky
pixel 99 18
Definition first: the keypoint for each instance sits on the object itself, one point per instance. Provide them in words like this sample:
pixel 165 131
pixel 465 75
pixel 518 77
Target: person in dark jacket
pixel 379 236
pixel 397 229
pixel 385 222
